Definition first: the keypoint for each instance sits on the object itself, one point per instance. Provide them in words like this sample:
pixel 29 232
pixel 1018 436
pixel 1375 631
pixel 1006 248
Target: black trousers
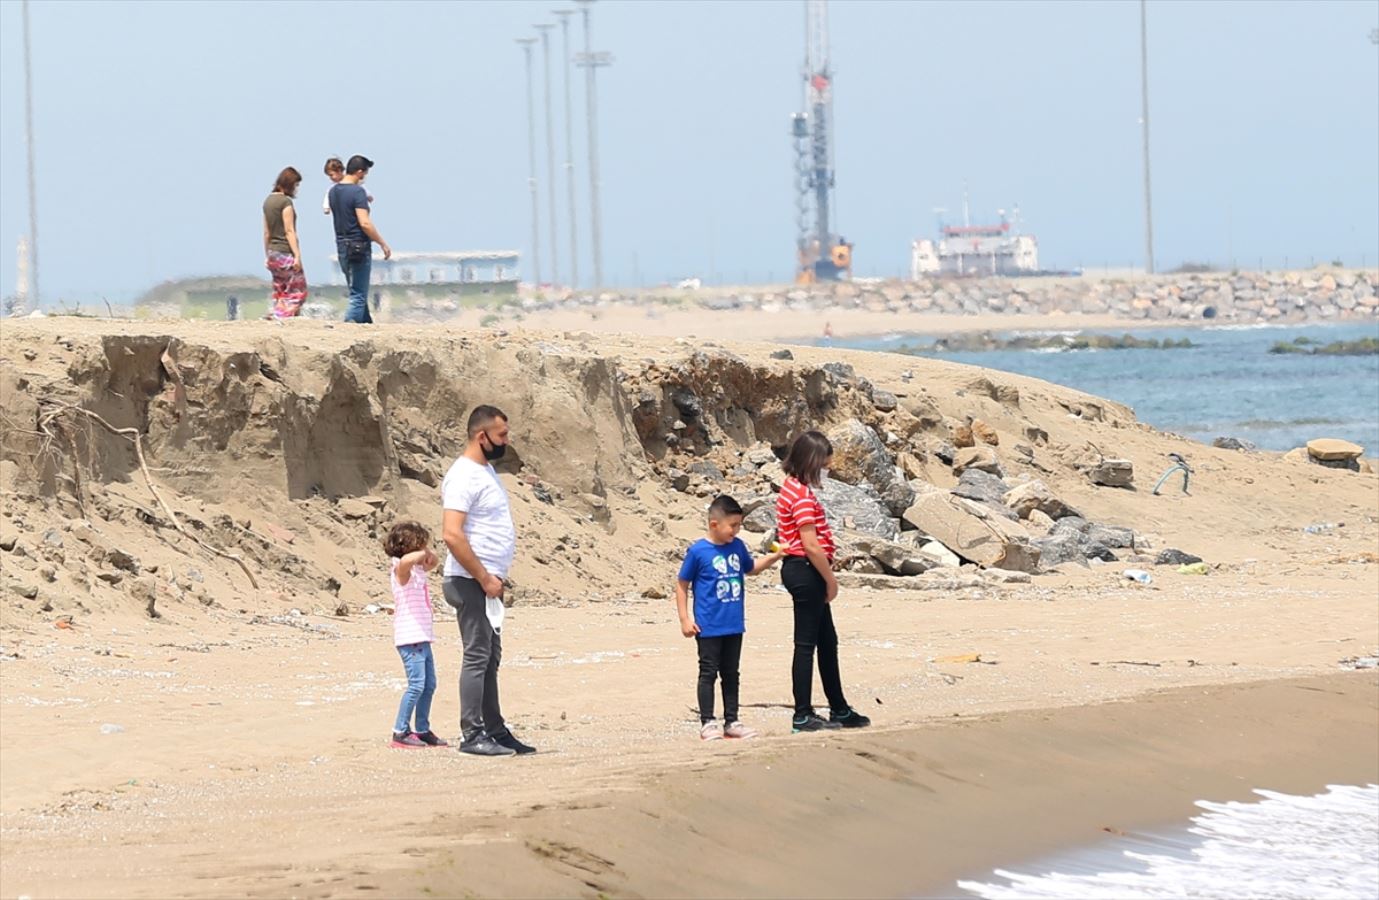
pixel 814 632
pixel 719 658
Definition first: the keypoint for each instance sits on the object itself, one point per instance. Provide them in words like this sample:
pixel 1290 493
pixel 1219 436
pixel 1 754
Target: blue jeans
pixel 357 277
pixel 420 666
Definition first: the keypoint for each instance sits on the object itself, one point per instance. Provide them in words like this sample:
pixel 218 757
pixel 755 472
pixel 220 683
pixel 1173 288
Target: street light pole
pixel 545 30
pixel 526 45
pixel 591 61
pixel 1144 98
pixel 564 15
pixel 33 198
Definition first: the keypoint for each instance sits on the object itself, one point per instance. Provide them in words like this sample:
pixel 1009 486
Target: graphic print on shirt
pixel 715 573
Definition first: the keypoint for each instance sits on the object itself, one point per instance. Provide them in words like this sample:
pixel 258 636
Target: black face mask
pixel 493 452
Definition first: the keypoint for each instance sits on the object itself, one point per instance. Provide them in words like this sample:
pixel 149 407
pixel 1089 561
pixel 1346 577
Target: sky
pixel 160 127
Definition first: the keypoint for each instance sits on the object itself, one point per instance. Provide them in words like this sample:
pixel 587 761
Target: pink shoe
pixel 711 731
pixel 406 740
pixel 739 731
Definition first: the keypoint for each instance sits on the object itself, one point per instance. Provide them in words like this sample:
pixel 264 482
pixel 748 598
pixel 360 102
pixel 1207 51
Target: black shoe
pixel 483 745
pixel 811 722
pixel 430 739
pixel 506 739
pixel 849 718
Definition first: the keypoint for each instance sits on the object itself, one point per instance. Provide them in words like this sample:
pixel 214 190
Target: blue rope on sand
pixel 1179 465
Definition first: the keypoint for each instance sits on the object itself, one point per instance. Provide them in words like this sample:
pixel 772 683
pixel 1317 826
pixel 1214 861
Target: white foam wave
pixel 1325 846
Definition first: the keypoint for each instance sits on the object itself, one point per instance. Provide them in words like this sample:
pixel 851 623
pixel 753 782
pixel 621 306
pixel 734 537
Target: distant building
pixel 975 250
pixel 447 267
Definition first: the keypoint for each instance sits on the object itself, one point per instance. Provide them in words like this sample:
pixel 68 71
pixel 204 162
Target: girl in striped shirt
pixel 409 546
pixel 807 574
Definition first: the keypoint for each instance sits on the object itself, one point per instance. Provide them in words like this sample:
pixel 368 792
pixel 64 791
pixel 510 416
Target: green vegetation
pixel 1365 346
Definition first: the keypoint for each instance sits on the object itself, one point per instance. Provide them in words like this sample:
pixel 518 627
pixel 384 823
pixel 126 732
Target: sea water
pixel 1281 846
pixel 1229 385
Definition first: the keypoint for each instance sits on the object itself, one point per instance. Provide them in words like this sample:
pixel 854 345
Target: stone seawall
pixel 1245 298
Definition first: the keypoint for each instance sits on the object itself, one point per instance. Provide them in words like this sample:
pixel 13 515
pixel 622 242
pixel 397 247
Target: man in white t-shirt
pixel 477 527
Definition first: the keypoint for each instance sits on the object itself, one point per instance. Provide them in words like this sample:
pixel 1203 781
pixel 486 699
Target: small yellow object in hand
pixel 774 547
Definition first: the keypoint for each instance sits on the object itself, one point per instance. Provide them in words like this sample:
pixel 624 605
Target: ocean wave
pixel 1283 847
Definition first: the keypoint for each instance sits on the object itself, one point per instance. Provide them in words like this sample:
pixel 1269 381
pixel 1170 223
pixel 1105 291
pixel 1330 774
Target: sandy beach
pixel 247 753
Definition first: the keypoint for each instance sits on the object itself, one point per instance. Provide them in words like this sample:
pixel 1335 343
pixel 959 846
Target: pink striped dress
pixel 412 622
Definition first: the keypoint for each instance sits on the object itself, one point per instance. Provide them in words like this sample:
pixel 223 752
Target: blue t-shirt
pixel 345 201
pixel 715 573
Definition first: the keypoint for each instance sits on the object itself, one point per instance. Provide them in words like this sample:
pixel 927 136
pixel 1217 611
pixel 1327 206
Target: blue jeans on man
pixel 420 667
pixel 357 278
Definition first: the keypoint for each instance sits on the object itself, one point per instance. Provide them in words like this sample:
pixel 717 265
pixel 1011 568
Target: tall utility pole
pixel 564 15
pixel 526 45
pixel 545 30
pixel 33 294
pixel 591 62
pixel 1144 119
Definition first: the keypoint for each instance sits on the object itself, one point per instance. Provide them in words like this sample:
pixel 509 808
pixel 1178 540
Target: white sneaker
pixel 739 731
pixel 712 731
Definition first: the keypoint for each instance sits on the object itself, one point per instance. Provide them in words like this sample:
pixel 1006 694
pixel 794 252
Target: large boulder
pixel 1033 496
pixel 1333 450
pixel 896 559
pixel 859 456
pixel 973 532
pixel 983 458
pixel 858 508
pixel 1113 473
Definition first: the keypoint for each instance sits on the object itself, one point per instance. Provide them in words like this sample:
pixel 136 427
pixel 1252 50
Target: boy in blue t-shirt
pixel 714 568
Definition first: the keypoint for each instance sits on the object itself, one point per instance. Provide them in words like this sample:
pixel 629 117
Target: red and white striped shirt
pixel 797 506
pixel 412 616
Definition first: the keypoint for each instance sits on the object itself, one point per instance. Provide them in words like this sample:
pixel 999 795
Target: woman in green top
pixel 280 247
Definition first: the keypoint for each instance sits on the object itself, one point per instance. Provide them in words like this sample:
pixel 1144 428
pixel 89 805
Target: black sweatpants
pixel 814 631
pixel 719 658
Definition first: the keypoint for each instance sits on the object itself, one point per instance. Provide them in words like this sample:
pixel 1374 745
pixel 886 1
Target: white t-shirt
pixel 476 491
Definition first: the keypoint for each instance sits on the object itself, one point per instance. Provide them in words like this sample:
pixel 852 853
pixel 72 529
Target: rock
pixel 860 456
pixel 1230 443
pixel 1035 496
pixel 1298 455
pixel 52 538
pixel 937 580
pixel 982 486
pixel 47 573
pixel 1332 449
pixel 760 456
pixel 857 508
pixel 896 559
pixel 1172 557
pixel 352 508
pixel 707 469
pixel 782 354
pixel 863 564
pixel 884 401
pixel 940 554
pixel 985 433
pixel 1004 576
pixel 983 458
pixel 945 453
pixel 24 589
pixel 1039 521
pixel 278 533
pixel 963 437
pixel 761 519
pixel 1007 394
pixel 1061 545
pixel 145 591
pixel 1113 473
pixel 654 593
pixel 840 371
pixel 973 533
pixel 375 502
pixel 8 542
pixel 678 480
pixel 342 609
pixel 1110 536
pixel 122 561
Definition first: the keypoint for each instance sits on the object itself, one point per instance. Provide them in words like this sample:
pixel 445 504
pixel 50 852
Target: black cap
pixel 358 163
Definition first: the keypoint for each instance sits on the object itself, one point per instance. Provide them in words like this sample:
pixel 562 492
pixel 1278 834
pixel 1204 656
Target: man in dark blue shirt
pixel 355 235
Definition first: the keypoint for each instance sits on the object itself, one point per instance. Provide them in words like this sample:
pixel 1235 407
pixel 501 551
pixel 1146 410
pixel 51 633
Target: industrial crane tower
pixel 821 254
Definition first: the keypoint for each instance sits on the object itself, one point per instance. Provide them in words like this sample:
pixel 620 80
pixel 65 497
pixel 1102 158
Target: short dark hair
pixel 724 506
pixel 334 165
pixel 358 163
pixel 287 182
pixel 482 417
pixel 807 456
pixel 404 538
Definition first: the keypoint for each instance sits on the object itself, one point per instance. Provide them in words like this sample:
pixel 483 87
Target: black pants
pixel 719 658
pixel 813 631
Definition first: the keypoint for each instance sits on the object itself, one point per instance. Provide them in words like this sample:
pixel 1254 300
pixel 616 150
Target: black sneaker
pixel 811 722
pixel 849 718
pixel 483 745
pixel 430 739
pixel 506 739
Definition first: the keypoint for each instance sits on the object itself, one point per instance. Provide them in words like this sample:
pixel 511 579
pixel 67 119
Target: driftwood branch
pixel 133 435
